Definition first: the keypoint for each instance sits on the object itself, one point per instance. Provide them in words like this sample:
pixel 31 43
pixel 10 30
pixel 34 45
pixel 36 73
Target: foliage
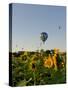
pixel 28 69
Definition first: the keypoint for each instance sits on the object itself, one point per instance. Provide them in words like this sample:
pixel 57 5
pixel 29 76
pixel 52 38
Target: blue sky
pixel 28 21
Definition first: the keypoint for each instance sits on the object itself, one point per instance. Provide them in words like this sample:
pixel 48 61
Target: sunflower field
pixel 38 68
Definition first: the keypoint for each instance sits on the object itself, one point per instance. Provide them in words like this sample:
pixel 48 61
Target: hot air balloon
pixel 44 37
pixel 59 27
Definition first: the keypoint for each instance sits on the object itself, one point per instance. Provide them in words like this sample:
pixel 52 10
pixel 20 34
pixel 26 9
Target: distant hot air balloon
pixel 59 27
pixel 44 37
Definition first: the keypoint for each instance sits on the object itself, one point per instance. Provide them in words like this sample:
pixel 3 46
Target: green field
pixel 38 68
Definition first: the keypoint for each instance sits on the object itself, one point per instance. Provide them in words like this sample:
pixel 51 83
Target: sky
pixel 28 21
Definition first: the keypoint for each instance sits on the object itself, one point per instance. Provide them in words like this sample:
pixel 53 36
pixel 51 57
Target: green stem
pixel 34 78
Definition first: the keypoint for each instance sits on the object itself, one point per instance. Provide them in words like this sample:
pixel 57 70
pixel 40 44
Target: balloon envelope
pixel 44 36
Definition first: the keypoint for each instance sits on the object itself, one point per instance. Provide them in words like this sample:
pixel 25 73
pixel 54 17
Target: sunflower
pixel 25 53
pixel 56 50
pixel 32 65
pixel 55 61
pixel 48 62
